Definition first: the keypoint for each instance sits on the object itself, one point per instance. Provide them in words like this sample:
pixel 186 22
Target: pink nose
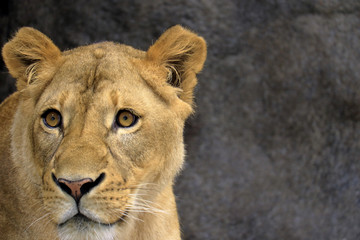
pixel 74 187
pixel 78 188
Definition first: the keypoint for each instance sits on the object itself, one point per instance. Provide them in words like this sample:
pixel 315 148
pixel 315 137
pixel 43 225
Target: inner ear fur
pixel 25 52
pixel 183 54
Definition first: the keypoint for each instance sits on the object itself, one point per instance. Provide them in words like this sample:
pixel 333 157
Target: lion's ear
pixel 183 53
pixel 26 52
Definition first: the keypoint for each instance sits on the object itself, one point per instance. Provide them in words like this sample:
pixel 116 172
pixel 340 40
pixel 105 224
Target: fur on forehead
pixel 169 66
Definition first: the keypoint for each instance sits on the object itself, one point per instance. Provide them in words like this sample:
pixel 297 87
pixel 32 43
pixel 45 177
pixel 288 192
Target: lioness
pixel 93 138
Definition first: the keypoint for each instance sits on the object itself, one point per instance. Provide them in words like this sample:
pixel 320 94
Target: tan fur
pixel 88 86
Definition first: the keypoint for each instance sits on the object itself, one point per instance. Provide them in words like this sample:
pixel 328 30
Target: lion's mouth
pixel 81 221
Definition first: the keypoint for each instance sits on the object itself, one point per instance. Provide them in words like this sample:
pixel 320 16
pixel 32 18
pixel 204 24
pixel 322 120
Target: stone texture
pixel 273 150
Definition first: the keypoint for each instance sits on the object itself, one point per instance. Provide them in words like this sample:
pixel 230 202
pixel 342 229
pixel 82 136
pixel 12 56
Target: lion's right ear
pixel 26 52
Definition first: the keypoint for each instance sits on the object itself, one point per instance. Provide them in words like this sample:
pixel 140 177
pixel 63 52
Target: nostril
pixel 63 186
pixel 90 185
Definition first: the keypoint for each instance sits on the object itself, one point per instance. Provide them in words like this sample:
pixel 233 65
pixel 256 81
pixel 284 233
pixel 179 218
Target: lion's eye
pixel 126 119
pixel 52 118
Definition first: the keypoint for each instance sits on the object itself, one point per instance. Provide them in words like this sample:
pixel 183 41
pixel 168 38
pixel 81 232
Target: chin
pixel 80 227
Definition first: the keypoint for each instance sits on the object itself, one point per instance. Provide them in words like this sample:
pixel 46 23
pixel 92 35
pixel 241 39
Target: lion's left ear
pixel 183 53
pixel 24 54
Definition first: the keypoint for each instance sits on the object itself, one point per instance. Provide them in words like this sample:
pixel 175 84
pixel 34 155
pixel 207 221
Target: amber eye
pixel 126 119
pixel 52 118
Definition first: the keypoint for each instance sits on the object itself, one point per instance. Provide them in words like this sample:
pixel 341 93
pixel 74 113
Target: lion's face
pixel 100 129
pixel 98 119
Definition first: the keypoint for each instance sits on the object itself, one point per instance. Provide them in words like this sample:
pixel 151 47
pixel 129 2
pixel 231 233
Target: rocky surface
pixel 273 150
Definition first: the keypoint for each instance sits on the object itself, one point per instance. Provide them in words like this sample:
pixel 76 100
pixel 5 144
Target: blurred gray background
pixel 274 148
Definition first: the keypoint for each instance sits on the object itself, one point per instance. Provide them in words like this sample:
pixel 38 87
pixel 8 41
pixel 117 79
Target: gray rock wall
pixel 274 148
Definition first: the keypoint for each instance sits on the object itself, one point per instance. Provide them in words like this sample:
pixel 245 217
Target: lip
pixel 82 219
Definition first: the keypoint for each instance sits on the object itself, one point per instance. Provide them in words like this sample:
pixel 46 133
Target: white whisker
pixel 37 220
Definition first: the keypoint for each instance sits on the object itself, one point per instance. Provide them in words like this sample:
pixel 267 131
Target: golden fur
pixel 134 167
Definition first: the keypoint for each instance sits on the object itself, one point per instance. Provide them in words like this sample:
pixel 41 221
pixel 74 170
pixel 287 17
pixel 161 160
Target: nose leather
pixel 75 186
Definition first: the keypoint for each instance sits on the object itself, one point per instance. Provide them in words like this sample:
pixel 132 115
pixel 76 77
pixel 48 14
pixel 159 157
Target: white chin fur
pixel 89 232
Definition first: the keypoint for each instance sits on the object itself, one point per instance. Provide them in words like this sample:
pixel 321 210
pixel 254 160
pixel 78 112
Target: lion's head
pixel 98 131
